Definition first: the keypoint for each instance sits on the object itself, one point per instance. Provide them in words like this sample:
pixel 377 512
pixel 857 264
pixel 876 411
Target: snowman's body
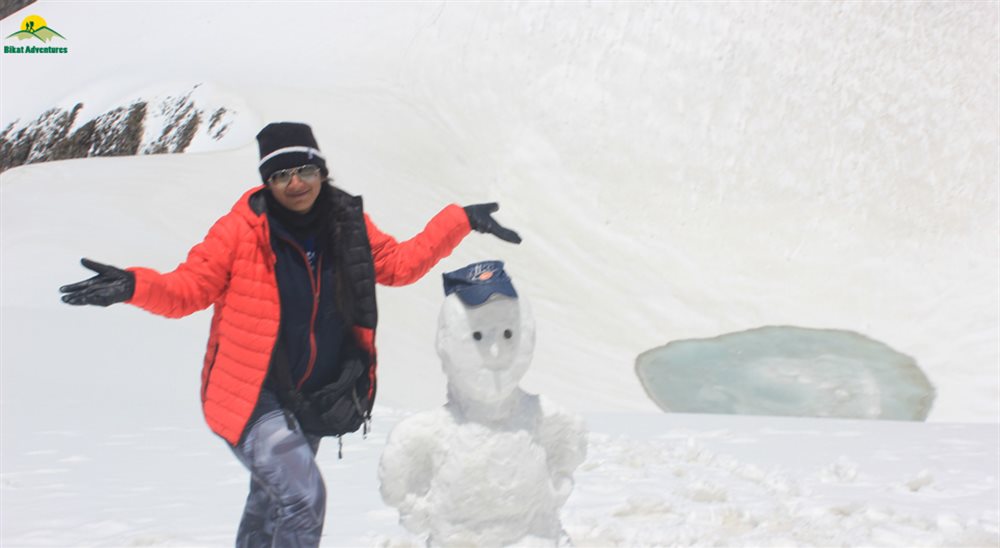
pixel 494 465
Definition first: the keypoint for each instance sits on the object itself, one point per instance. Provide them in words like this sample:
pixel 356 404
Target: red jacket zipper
pixel 316 282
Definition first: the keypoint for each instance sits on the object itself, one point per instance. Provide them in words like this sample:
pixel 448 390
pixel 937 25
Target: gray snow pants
pixel 287 501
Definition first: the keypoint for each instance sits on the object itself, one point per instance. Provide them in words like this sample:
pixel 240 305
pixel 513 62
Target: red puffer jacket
pixel 233 269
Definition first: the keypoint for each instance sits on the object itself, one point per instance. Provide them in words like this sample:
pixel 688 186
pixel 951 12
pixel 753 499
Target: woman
pixel 291 273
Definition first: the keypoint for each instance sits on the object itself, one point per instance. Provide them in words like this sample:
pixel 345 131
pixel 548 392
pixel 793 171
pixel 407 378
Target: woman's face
pixel 300 193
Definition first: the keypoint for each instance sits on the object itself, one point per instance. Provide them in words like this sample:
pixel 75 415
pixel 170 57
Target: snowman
pixel 494 465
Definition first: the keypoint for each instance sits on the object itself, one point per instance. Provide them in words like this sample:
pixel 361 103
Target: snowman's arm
pixel 564 437
pixel 401 263
pixel 407 464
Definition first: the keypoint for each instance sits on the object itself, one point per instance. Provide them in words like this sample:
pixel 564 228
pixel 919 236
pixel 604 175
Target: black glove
pixel 481 221
pixel 111 285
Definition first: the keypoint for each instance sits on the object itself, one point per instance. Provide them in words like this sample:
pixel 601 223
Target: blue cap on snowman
pixel 475 283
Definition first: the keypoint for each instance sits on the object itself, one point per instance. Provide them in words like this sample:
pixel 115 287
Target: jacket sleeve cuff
pixel 461 220
pixel 144 278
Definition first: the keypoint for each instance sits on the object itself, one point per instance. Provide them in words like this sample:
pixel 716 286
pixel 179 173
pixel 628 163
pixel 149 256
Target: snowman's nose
pixel 494 350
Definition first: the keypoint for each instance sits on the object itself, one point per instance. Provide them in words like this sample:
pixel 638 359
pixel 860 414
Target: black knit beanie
pixel 285 145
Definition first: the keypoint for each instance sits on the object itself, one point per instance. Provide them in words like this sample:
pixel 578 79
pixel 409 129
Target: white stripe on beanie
pixel 312 152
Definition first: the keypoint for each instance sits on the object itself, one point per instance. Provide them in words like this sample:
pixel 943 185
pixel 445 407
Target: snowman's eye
pixel 507 333
pixel 477 335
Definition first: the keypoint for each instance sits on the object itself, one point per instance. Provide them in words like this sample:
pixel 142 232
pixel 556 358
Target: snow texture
pixel 521 449
pixel 677 170
pixel 810 164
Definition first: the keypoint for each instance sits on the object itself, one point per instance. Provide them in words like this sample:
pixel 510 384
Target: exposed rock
pixel 115 133
pixel 60 134
pixel 9 7
pixel 42 139
pixel 183 121
pixel 216 127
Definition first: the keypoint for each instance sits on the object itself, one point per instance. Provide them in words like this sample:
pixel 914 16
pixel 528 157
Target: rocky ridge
pixel 163 125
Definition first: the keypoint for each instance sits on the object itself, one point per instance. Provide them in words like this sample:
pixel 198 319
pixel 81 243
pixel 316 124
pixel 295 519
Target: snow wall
pixel 678 170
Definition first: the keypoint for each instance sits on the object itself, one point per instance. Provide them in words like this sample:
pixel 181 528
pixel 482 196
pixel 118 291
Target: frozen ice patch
pixel 788 371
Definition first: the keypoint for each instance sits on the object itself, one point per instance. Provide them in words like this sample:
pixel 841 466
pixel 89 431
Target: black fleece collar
pixel 303 225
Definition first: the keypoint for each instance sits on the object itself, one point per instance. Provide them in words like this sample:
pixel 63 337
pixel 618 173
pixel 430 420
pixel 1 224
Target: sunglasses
pixel 309 173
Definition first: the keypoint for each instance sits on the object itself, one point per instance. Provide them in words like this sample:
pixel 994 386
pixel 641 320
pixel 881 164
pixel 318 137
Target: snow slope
pixel 676 171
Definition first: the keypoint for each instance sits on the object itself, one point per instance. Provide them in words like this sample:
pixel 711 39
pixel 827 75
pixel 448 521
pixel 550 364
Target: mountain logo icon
pixel 34 26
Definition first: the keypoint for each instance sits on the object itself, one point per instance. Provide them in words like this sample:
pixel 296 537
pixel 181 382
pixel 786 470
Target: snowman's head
pixel 485 348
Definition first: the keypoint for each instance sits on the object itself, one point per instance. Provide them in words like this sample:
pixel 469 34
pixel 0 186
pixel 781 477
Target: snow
pixel 521 449
pixel 226 120
pixel 676 170
pixel 743 481
pixel 648 480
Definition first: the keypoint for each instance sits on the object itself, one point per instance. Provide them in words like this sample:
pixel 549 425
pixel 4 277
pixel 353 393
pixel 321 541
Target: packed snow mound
pixel 790 371
pixel 523 468
pixel 162 118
